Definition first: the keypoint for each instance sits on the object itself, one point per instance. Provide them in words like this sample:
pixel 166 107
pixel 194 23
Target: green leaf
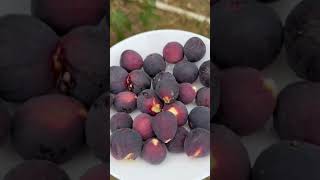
pixel 148 16
pixel 120 23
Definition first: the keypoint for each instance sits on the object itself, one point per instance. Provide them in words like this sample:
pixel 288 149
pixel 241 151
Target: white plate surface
pixel 176 166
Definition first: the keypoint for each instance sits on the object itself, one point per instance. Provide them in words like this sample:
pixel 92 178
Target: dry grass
pixel 166 20
pixel 198 6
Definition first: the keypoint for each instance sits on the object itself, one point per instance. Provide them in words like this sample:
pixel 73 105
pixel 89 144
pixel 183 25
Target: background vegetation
pixel 129 17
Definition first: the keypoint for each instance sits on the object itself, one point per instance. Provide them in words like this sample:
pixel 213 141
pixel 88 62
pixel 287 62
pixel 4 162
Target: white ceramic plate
pixel 176 166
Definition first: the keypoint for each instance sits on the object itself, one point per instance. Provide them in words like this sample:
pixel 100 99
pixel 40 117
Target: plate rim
pixel 155 31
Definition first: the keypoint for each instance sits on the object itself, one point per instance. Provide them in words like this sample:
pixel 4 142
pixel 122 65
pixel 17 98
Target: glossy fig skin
pixel 143 125
pixel 111 96
pixel 197 143
pixel 215 88
pixel 227 151
pixel 31 71
pixel 178 109
pixel 36 133
pixel 125 102
pixel 262 47
pixel 194 49
pixel 296 114
pixel 138 81
pixel 120 120
pixel 131 60
pixel 64 16
pixel 301 35
pixel 97 127
pixel 173 52
pixel 177 144
pixel 36 169
pixel 199 117
pixel 125 144
pixel 242 90
pixel 162 76
pixel 299 161
pixel 167 91
pixel 203 97
pixel 148 102
pixel 185 71
pixel 118 79
pixel 100 171
pixel 187 93
pixel 82 74
pixel 165 126
pixel 204 73
pixel 154 64
pixel 154 151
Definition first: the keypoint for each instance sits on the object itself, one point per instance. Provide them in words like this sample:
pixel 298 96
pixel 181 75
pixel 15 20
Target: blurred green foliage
pixel 120 22
pixel 148 15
